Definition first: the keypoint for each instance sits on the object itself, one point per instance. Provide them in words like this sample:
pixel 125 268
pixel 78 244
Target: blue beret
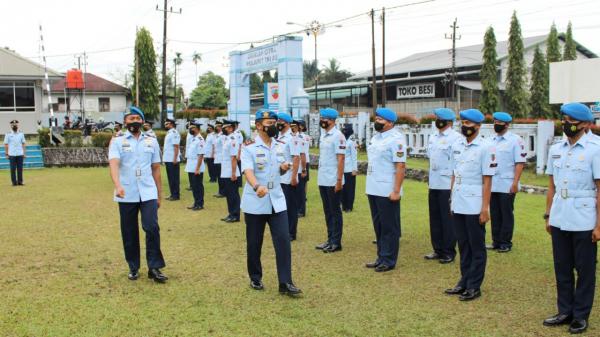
pixel 301 122
pixel 265 113
pixel 284 116
pixel 502 116
pixel 133 110
pixel 578 111
pixel 472 115
pixel 387 114
pixel 329 113
pixel 445 114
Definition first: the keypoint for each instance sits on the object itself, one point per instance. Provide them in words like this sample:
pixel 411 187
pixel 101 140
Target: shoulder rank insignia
pixel 249 142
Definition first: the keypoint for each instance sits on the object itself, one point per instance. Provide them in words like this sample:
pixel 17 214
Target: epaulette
pixel 249 142
pixel 280 141
pixel 232 137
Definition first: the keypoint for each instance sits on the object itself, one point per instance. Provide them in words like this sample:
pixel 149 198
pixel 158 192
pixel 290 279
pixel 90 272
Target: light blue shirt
pixel 230 149
pixel 150 133
pixel 219 138
pixel 470 163
pixel 331 144
pixel 351 158
pixel 439 151
pixel 263 161
pixel 188 138
pixel 287 149
pixel 305 147
pixel 171 139
pixel 209 145
pixel 574 169
pixel 239 138
pixel 384 150
pixel 15 141
pixel 510 150
pixel 136 157
pixel 195 149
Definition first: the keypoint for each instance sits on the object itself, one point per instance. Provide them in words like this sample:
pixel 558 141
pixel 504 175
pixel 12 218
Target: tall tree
pixel 210 93
pixel 333 73
pixel 267 77
pixel 177 61
pixel 311 71
pixel 490 100
pixel 196 57
pixel 255 84
pixel 539 86
pixel 148 81
pixel 553 55
pixel 570 52
pixel 516 95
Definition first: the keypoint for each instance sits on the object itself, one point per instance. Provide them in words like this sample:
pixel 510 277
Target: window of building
pixel 531 143
pixel 60 105
pixel 422 140
pixel 17 96
pixel 104 104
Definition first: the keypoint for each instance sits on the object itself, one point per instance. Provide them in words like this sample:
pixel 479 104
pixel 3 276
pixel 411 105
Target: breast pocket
pixel 582 173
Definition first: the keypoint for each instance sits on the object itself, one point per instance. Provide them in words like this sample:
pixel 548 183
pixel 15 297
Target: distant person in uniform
pixel 510 153
pixel 350 170
pixel 385 176
pixel 134 160
pixel 118 129
pixel 219 138
pixel 332 149
pixel 171 158
pixel 188 139
pixel 474 164
pixel 439 151
pixel 572 217
pixel 230 172
pixel 209 152
pixel 15 151
pixel 305 175
pixel 263 202
pixel 195 166
pixel 288 154
pixel 300 144
pixel 148 129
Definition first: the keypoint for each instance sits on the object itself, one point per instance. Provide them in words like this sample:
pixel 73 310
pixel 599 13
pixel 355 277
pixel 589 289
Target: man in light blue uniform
pixel 305 174
pixel 209 152
pixel 263 202
pixel 219 138
pixel 439 151
pixel 350 170
pixel 510 153
pixel 289 155
pixel 171 158
pixel 15 151
pixel 385 176
pixel 188 138
pixel 230 172
pixel 299 142
pixel 572 217
pixel 474 163
pixel 195 166
pixel 134 160
pixel 332 149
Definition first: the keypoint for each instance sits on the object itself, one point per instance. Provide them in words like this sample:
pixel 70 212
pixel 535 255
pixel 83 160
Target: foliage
pixel 73 138
pixel 256 85
pixel 539 86
pixel 211 92
pixel 148 81
pixel 101 139
pixel 553 55
pixel 404 118
pixel 190 114
pixel 570 50
pixel 427 119
pixel 311 71
pixel 490 97
pixel 516 95
pixel 44 137
pixel 333 73
pixel 160 136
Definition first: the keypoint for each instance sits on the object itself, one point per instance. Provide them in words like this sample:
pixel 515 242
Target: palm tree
pixel 196 57
pixel 333 73
pixel 311 71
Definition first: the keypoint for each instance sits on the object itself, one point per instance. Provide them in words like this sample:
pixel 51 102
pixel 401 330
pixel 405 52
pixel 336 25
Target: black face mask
pixel 271 130
pixel 571 129
pixel 499 127
pixel 192 132
pixel 378 126
pixel 225 132
pixel 280 126
pixel 347 133
pixel 467 131
pixel 15 128
pixel 440 124
pixel 324 124
pixel 134 127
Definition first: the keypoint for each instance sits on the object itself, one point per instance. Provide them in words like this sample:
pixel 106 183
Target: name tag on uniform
pixel 138 172
pixel 564 193
pixel 556 156
pixel 270 185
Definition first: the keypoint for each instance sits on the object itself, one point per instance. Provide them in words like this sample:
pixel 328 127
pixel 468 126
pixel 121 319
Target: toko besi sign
pixel 260 59
pixel 415 90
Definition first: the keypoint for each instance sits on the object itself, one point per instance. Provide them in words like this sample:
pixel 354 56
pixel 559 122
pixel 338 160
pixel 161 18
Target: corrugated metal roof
pixel 93 83
pixel 13 65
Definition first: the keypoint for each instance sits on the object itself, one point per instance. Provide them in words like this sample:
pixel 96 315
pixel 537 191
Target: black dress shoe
pixel 332 249
pixel 197 208
pixel 578 326
pixel 232 219
pixel 432 256
pixel 157 275
pixel 226 218
pixel 301 215
pixel 289 289
pixel 559 319
pixel 373 264
pixel 446 259
pixel 491 247
pixel 133 275
pixel 191 207
pixel 218 196
pixel 292 238
pixel 172 198
pixel 470 294
pixel 322 246
pixel 382 268
pixel 458 290
pixel 188 189
pixel 503 249
pixel 257 285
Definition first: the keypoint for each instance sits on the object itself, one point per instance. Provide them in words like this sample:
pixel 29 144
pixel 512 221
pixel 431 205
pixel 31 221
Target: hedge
pixel 101 139
pixel 191 114
pixel 73 138
pixel 44 137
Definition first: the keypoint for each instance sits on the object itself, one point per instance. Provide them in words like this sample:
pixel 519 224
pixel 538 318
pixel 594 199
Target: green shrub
pixel 427 119
pixel 101 139
pixel 44 137
pixel 183 139
pixel 404 118
pixel 73 138
pixel 191 114
pixel 160 137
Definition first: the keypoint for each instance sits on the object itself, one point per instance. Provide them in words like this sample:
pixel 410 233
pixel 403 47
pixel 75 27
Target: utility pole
pixel 453 37
pixel 383 88
pixel 374 85
pixel 137 73
pixel 163 105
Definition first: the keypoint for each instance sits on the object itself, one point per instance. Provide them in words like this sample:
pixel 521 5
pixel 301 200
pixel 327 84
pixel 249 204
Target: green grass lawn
pixel 63 272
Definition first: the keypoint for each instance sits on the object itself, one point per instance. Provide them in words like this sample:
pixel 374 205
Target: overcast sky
pixel 106 29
